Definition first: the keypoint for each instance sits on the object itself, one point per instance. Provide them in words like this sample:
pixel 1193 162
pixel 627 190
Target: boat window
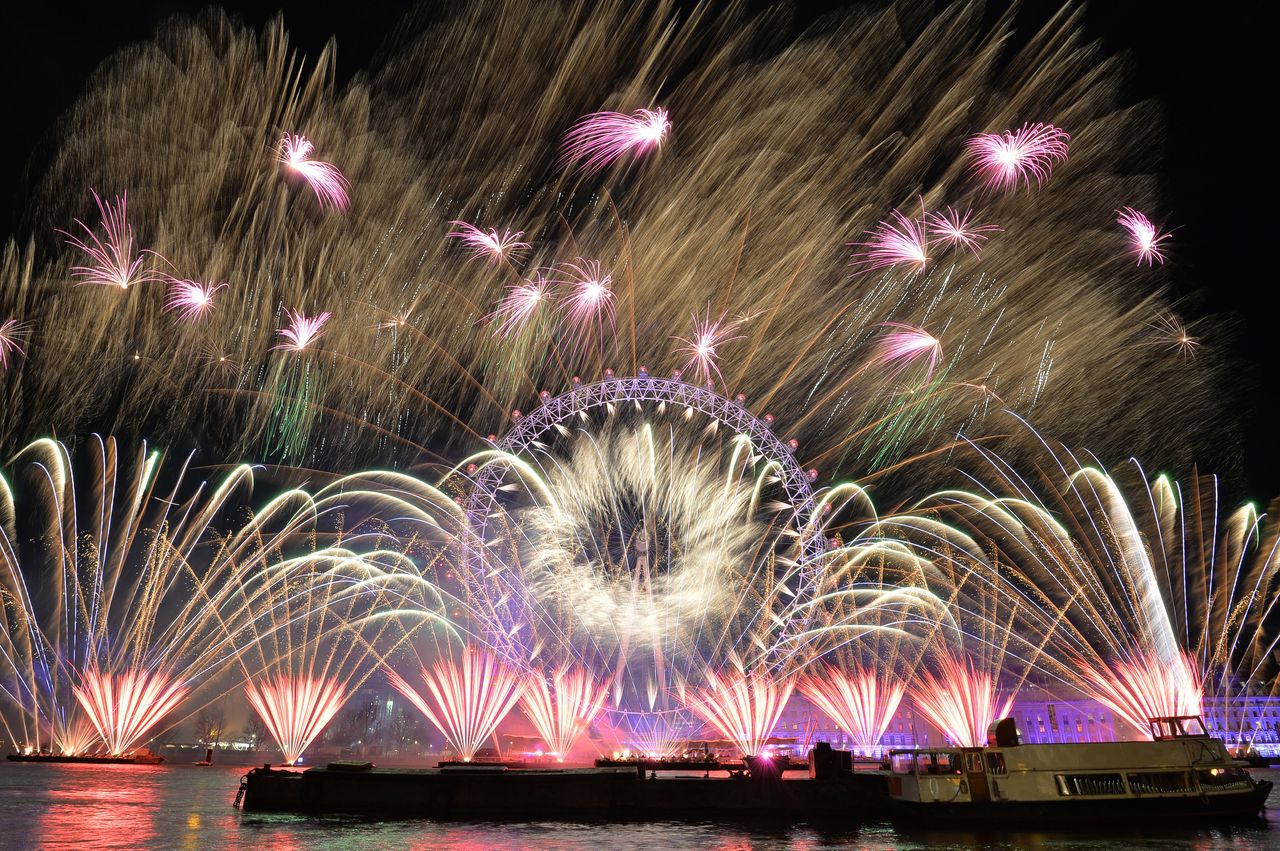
pixel 1193 727
pixel 1149 782
pixel 902 762
pixel 1224 778
pixel 947 763
pixel 995 762
pixel 1083 785
pixel 973 761
pixel 924 763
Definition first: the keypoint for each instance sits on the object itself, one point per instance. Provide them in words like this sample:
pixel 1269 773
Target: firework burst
pixel 899 241
pixel 861 701
pixel 563 708
pixel 325 179
pixel 904 346
pixel 1005 160
pixel 744 708
pixel 701 348
pixel 296 709
pixel 520 304
pixel 956 229
pixel 13 340
pixel 113 260
pixel 960 700
pixel 124 707
pixel 601 138
pixel 192 299
pixel 488 244
pixel 466 702
pixel 302 330
pixel 1144 238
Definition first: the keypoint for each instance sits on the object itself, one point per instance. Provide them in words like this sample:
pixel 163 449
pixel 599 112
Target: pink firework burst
pixel 488 243
pixel 465 702
pixel 1145 687
pixel 700 347
pixel 1004 160
pixel 301 331
pixel 957 231
pixel 563 708
pixel 743 707
pixel 900 241
pixel 113 262
pixel 124 707
pixel 13 340
pixel 1143 236
pixel 602 137
pixel 960 700
pixel 906 345
pixel 520 304
pixel 192 299
pixel 324 178
pixel 296 709
pixel 861 701
pixel 589 305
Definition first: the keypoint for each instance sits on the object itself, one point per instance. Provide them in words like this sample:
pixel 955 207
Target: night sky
pixel 1204 67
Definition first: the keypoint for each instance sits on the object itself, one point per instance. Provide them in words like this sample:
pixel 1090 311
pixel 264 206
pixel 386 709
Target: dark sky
pixel 1205 66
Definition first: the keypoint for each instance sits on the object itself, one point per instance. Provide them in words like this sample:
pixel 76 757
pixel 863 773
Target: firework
pixel 112 259
pixel 520 304
pixel 862 702
pixel 1141 689
pixel 956 230
pixel 1143 235
pixel 904 346
pixel 295 710
pixel 192 299
pixel 488 243
pixel 13 340
pixel 124 707
pixel 1005 160
pixel 589 305
pixel 701 347
pixel 744 708
pixel 602 137
pixel 959 700
pixel 562 709
pixel 900 241
pixel 324 178
pixel 466 702
pixel 302 330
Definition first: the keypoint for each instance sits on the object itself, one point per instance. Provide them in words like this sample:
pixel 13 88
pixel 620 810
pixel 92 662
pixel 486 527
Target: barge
pixel 135 758
pixel 1183 774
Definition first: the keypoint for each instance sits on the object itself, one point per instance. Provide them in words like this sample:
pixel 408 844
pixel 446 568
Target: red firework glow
pixel 1005 160
pixel 602 137
pixel 124 707
pixel 324 178
pixel 960 700
pixel 744 708
pixel 861 701
pixel 465 702
pixel 562 708
pixel 1146 687
pixel 295 709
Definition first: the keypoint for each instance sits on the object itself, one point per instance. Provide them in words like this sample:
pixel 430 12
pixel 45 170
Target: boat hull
pixel 150 759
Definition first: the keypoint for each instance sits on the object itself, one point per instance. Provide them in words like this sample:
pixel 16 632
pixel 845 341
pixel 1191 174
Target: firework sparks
pixel 602 137
pixel 520 304
pixel 1146 687
pixel 467 701
pixel 488 243
pixel 905 345
pixel 1005 160
pixel 13 340
pixel 1143 236
pixel 899 241
pixel 701 347
pixel 113 261
pixel 296 709
pixel 744 708
pixel 862 701
pixel 324 178
pixel 960 700
pixel 124 707
pixel 562 710
pixel 589 304
pixel 301 331
pixel 955 229
pixel 1172 333
pixel 192 299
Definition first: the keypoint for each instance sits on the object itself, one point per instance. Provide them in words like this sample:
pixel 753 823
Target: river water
pixel 188 807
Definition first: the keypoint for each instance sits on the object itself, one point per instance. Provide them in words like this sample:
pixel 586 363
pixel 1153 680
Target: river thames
pixel 188 807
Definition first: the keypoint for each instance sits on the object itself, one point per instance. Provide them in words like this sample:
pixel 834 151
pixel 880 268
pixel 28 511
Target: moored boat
pixel 1182 773
pixel 133 758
